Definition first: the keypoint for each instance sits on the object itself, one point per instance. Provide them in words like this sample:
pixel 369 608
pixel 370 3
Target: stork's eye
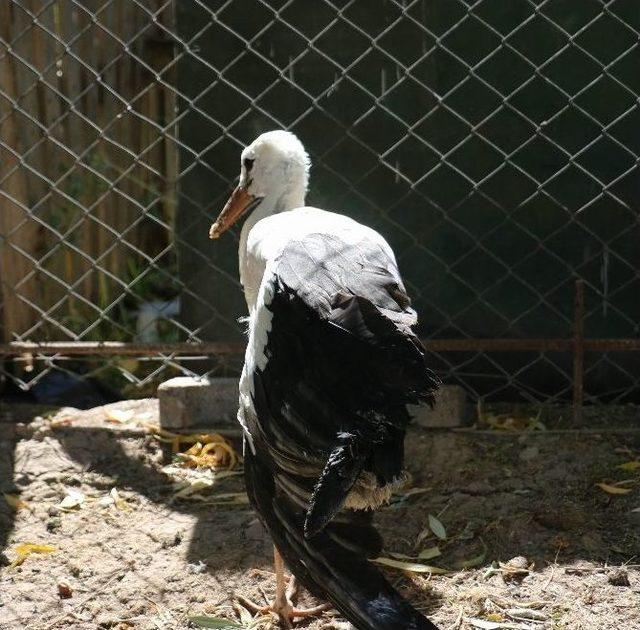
pixel 248 164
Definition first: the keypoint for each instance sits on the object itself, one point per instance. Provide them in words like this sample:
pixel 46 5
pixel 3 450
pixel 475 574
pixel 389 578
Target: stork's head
pixel 274 169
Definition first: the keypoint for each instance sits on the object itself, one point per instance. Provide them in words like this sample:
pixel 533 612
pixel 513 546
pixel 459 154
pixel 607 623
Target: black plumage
pixel 329 417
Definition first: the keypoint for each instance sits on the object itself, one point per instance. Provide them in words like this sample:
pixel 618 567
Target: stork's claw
pixel 287 613
pixel 283 605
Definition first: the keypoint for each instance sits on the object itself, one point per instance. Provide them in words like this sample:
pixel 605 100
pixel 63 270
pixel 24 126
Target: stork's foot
pixel 284 606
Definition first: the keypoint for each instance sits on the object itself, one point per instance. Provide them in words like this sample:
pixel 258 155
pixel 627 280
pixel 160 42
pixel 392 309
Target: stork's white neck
pixel 287 198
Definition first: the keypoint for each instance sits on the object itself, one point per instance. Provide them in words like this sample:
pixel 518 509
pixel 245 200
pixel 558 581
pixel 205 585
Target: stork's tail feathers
pixel 333 564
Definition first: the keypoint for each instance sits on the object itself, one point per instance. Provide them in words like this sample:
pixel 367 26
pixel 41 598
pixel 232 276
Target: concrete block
pixel 187 402
pixel 198 402
pixel 452 409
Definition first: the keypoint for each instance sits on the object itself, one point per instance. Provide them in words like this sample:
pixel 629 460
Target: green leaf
pixel 431 552
pixel 203 621
pixel 437 527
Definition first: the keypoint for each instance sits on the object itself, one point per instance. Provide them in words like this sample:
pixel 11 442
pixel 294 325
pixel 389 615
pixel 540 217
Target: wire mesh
pixel 493 144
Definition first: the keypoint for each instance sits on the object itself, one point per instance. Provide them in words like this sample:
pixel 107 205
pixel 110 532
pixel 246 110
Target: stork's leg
pixel 283 604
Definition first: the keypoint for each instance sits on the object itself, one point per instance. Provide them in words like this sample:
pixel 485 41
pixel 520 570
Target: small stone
pixel 515 570
pixel 570 518
pixel 519 562
pixel 619 578
pixel 64 590
pixel 198 567
pixel 169 539
pixel 54 523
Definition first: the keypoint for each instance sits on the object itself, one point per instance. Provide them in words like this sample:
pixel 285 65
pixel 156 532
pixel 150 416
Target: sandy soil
pixel 152 561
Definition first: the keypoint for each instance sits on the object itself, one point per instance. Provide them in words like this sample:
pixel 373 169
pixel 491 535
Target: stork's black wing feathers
pixel 330 406
pixel 343 467
pixel 332 565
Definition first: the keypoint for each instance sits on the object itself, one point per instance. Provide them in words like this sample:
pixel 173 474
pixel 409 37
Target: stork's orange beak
pixel 235 207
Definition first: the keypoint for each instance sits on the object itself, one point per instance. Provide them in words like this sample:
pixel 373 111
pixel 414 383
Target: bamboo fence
pixel 85 161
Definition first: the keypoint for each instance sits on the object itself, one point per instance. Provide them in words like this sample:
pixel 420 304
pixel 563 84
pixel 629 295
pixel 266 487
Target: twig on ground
pixel 548 582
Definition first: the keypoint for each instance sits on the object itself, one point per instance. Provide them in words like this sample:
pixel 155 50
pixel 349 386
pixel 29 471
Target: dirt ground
pixel 543 545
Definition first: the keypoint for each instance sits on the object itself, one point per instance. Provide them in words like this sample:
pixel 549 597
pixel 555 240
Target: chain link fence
pixel 494 144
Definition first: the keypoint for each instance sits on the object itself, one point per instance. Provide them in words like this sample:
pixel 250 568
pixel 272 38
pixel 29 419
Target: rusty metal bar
pixel 497 345
pixel 611 345
pixel 578 352
pixel 116 348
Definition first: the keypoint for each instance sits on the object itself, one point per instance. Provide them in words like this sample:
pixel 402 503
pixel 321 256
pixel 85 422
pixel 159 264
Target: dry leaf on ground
pixel 430 552
pixel 24 550
pixel 114 498
pixel 630 466
pixel 119 416
pixel 411 567
pixel 73 499
pixel 613 489
pixel 203 621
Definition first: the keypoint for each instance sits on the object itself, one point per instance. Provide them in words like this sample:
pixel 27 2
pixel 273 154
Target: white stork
pixel 330 365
